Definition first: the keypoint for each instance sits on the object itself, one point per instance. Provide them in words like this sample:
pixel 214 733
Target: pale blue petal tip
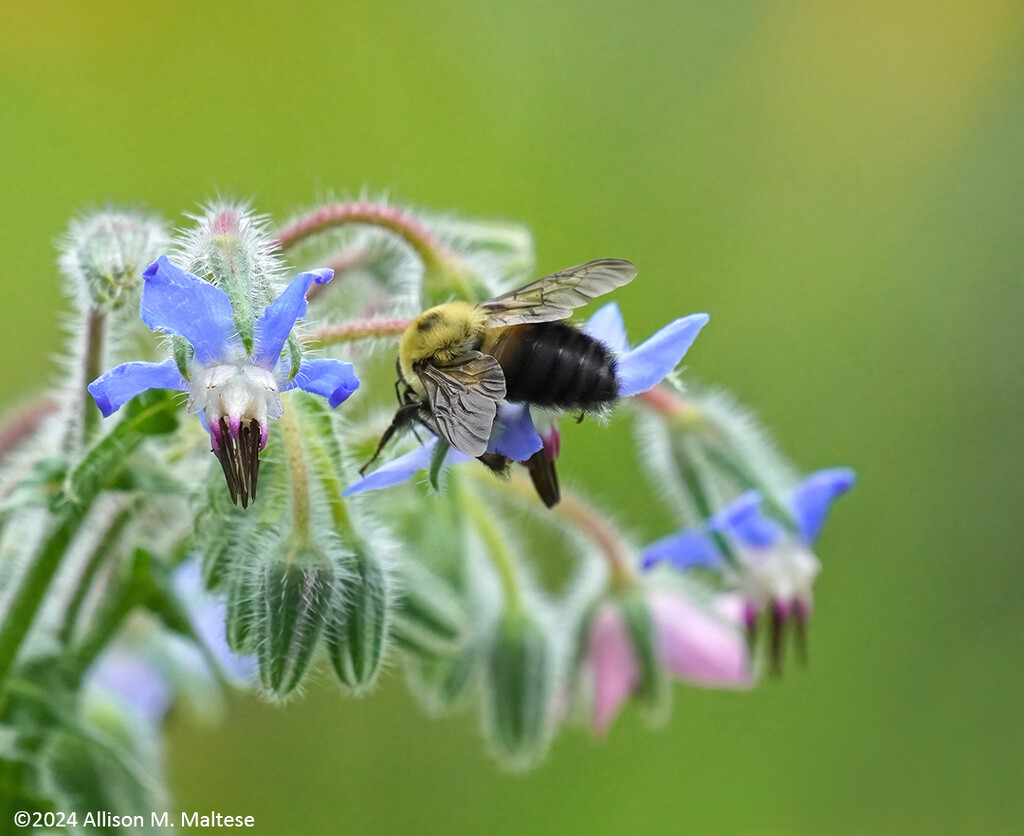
pixel 650 362
pixel 395 471
pixel 689 550
pixel 815 495
pixel 332 379
pixel 277 321
pixel 607 326
pixel 208 613
pixel 404 467
pixel 135 681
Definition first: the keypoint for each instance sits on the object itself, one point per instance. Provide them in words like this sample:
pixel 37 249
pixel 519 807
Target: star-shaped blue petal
pixel 640 368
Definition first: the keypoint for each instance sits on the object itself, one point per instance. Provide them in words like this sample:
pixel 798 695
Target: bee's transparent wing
pixel 555 297
pixel 464 399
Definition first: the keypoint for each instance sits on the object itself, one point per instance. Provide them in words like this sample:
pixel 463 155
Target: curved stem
pixel 501 556
pixel 95 347
pixel 436 256
pixel 23 423
pixel 83 417
pixel 332 488
pixel 596 527
pixel 359 329
pixel 34 584
pixel 119 520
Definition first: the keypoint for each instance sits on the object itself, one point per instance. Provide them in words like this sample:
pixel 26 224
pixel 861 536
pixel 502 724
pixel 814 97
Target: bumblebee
pixel 458 361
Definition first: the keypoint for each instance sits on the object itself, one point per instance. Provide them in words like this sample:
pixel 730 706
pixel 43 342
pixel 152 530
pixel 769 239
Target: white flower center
pixel 783 574
pixel 239 392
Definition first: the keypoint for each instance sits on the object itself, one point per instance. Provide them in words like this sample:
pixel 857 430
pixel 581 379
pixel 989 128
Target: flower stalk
pixel 358 329
pixel 496 545
pixel 32 590
pixel 436 256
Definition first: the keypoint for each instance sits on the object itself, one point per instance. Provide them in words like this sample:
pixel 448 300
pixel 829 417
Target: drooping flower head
pixel 691 644
pixel 776 568
pixel 515 435
pixel 233 369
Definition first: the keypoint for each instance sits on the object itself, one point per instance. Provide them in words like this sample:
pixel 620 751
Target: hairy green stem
pixel 332 488
pixel 34 584
pixel 116 606
pixel 301 504
pixel 721 452
pixel 694 480
pixel 95 350
pixel 93 564
pixel 593 525
pixel 501 556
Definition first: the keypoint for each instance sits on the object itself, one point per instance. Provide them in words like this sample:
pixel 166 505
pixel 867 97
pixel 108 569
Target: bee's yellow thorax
pixel 440 334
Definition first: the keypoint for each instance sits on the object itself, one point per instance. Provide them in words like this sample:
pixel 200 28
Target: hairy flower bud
pixel 520 685
pixel 103 255
pixel 357 632
pixel 430 619
pixel 292 601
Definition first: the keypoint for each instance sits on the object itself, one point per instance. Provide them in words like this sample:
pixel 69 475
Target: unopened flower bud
pixel 104 254
pixel 358 630
pixel 430 619
pixel 520 680
pixel 292 600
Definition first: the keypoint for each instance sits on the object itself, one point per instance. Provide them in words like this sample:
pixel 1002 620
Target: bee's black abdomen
pixel 556 365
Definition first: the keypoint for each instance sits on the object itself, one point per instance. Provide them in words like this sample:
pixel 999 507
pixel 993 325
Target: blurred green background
pixel 841 185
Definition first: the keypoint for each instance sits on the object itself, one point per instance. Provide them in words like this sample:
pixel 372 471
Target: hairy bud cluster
pixel 103 256
pixel 531 613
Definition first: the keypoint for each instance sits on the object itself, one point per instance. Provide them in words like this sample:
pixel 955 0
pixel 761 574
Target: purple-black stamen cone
pixel 239 458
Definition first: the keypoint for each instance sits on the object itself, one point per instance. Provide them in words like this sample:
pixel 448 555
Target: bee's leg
pixel 580 417
pixel 399 380
pixel 403 417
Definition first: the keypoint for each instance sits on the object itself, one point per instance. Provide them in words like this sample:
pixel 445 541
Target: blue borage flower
pixel 515 435
pixel 775 569
pixel 234 385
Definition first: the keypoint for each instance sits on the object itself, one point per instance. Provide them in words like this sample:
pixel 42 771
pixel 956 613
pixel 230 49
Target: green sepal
pixel 437 462
pixel 358 630
pixel 243 610
pixel 294 598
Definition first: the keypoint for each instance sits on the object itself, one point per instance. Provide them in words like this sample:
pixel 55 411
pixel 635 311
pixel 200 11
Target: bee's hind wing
pixel 464 398
pixel 555 297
